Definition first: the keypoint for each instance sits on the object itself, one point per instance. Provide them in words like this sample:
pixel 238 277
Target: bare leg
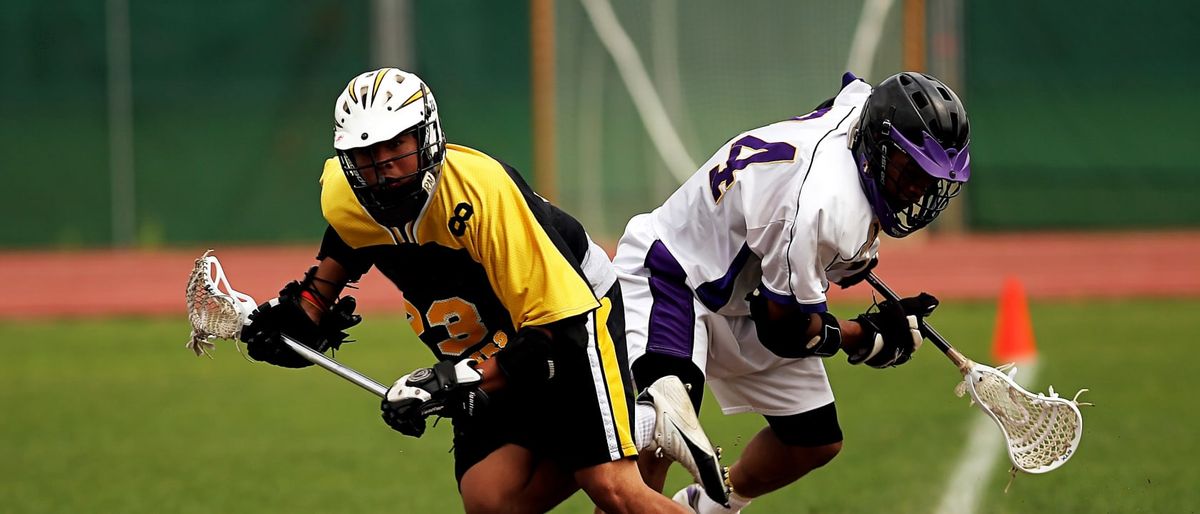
pixel 767 464
pixel 616 487
pixel 512 480
pixel 653 471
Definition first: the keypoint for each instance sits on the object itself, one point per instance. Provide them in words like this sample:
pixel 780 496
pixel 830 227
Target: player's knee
pixel 487 502
pixel 605 493
pixel 822 455
pixel 650 367
pixel 816 428
pixel 614 486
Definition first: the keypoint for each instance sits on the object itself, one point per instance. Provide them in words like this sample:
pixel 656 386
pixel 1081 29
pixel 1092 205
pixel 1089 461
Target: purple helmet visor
pixel 938 162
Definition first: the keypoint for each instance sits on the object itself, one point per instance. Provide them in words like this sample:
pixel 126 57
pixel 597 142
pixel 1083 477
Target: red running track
pixel 1050 265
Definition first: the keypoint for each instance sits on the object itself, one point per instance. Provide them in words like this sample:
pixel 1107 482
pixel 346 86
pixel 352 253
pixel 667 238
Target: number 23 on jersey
pixel 460 318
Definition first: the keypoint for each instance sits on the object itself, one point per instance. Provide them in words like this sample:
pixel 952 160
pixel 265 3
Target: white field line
pixel 867 34
pixel 984 446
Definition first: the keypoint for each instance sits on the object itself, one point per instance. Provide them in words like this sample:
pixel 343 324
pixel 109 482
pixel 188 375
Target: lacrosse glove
pixel 446 390
pixel 892 331
pixel 284 315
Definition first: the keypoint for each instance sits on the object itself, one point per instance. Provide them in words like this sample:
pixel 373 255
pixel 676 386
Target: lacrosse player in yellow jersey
pixel 520 308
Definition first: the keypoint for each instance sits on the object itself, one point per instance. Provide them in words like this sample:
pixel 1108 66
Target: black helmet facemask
pixel 912 148
pixel 395 202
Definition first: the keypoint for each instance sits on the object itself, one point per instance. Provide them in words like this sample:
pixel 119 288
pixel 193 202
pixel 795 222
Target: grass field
pixel 116 416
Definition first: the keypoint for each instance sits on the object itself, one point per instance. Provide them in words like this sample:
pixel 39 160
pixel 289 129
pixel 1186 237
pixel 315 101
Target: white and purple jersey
pixel 779 208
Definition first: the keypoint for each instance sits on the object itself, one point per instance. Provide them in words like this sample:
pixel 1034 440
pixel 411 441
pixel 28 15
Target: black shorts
pixel 581 418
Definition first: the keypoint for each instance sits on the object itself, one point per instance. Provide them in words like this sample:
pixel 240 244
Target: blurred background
pixel 146 124
pixel 136 134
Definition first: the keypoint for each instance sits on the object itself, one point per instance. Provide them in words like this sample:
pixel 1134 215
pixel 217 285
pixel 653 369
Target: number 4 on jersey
pixel 744 152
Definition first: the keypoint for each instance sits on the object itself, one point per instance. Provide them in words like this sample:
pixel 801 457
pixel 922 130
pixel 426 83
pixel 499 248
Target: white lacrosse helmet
pixel 378 106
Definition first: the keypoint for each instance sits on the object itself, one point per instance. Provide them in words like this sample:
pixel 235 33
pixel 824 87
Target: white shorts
pixel 663 316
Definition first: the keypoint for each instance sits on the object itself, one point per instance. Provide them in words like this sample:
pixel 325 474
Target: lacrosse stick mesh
pixel 1041 431
pixel 212 313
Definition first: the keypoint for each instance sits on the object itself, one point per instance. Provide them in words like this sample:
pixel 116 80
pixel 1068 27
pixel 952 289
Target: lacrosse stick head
pixel 215 309
pixel 1041 431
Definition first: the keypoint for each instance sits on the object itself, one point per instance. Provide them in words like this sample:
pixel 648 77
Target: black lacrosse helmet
pixel 911 148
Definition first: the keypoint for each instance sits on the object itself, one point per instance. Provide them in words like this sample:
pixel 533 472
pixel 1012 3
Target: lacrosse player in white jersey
pixel 726 281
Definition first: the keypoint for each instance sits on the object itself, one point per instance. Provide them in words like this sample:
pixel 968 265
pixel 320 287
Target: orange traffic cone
pixel 1014 331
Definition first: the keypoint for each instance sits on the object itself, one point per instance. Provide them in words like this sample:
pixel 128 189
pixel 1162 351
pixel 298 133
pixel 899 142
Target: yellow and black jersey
pixel 486 256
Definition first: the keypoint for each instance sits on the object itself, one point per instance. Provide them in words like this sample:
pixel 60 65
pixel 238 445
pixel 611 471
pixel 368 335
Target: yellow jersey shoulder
pixel 481 208
pixel 343 212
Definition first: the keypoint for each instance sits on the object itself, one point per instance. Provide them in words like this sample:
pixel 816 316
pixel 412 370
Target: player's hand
pixel 284 315
pixel 446 390
pixel 892 331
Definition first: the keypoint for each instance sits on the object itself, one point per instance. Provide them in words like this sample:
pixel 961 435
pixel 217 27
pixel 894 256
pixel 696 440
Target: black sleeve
pixel 571 231
pixel 355 261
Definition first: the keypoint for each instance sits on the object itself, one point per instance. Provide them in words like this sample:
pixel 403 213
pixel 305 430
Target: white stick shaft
pixel 336 367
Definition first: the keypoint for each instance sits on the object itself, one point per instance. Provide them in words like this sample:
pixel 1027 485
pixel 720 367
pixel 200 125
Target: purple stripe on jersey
pixel 715 294
pixel 815 114
pixel 672 314
pixel 783 299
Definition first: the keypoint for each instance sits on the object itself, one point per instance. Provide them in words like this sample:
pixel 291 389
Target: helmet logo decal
pixel 350 89
pixel 378 78
pixel 420 93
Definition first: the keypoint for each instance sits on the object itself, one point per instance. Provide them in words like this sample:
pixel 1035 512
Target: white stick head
pixel 1041 431
pixel 215 309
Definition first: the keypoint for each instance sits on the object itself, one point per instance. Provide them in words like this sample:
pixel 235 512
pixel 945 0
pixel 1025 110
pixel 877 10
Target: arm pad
pixel 785 337
pixel 527 360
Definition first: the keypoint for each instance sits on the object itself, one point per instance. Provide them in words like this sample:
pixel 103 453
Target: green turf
pixel 116 416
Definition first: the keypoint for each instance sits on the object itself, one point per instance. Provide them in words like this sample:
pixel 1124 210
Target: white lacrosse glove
pixel 446 390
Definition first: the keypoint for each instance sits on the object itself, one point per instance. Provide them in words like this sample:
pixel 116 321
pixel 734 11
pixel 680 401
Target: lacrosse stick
pixel 1041 431
pixel 217 311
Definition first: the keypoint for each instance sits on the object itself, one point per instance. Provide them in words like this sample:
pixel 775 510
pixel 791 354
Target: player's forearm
pixel 853 336
pixel 329 281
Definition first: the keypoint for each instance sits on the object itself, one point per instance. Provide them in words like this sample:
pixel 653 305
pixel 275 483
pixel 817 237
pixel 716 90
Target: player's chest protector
pixel 448 300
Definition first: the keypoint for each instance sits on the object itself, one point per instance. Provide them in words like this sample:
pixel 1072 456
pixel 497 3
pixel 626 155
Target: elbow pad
pixel 528 359
pixel 785 337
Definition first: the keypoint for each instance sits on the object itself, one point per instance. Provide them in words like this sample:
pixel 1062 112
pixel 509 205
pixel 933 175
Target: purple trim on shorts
pixel 783 299
pixel 672 325
pixel 715 294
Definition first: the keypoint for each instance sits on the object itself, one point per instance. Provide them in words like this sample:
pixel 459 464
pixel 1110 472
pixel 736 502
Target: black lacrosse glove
pixel 284 315
pixel 892 331
pixel 446 390
pixel 858 275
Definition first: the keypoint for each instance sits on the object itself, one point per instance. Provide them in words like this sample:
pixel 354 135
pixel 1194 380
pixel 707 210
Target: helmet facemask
pixel 917 183
pixel 392 184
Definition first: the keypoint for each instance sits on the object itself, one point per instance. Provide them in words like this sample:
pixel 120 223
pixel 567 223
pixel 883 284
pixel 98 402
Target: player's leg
pixel 794 396
pixel 499 464
pixel 786 450
pixel 591 423
pixel 780 454
pixel 666 338
pixel 513 479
